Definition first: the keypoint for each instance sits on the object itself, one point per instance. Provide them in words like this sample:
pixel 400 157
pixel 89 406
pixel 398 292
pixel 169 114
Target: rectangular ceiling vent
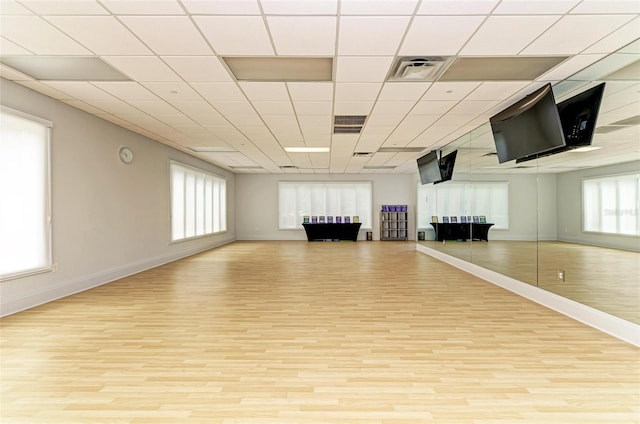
pixel 418 68
pixel 348 124
pixel 490 154
pixel 362 154
pixel 288 167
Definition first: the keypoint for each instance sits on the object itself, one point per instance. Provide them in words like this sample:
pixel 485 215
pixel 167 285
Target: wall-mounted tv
pixel 446 166
pixel 578 118
pixel 528 127
pixel 429 168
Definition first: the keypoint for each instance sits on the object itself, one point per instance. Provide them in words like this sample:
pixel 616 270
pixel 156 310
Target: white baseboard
pixel 88 281
pixel 607 323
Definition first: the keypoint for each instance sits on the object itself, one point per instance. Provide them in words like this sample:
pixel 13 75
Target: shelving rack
pixel 394 224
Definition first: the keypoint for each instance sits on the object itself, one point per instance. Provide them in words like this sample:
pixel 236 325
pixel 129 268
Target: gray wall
pixel 257 201
pixel 109 219
pixel 570 208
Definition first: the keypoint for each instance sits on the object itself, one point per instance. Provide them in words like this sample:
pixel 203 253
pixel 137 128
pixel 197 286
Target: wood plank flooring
pixel 297 332
pixel 603 278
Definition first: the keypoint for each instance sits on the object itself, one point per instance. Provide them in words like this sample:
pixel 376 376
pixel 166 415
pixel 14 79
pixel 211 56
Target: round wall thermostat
pixel 125 154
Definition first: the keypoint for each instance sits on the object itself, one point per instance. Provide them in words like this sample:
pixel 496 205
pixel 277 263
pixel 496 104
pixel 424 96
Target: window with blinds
pixel 198 202
pixel 299 199
pixel 25 219
pixel 610 204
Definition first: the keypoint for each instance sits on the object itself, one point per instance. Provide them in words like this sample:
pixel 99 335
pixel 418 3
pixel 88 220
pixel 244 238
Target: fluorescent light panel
pixel 281 68
pixel 64 68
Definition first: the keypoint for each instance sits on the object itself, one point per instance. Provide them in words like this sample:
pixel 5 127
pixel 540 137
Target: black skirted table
pixel 459 231
pixel 332 231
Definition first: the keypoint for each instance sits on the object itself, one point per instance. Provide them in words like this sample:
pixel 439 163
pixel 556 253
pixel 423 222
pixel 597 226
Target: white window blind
pixel 611 204
pixel 198 202
pixel 25 224
pixel 299 199
pixel 488 199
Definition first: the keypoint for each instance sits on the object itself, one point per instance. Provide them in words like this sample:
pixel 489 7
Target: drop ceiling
pixel 180 91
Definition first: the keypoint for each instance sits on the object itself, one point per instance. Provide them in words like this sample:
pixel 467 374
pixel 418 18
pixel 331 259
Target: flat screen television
pixel 578 118
pixel 528 127
pixel 446 166
pixel 429 168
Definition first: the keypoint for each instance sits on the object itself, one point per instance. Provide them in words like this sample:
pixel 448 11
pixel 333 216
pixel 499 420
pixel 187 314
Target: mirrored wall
pixel 546 233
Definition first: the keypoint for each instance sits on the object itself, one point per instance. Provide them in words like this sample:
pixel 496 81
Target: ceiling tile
pixel 431 107
pixel 168 35
pixel 403 90
pixel 362 69
pixel 12 49
pixel 538 7
pixel 585 30
pixel 439 35
pixel 234 108
pixel 103 35
pixel 617 39
pixel 393 108
pixel 357 36
pixel 352 108
pixel 570 67
pixel 80 90
pixel 449 90
pixel 490 38
pixel 222 7
pixel 314 35
pixel 311 91
pixel 143 7
pixel 198 68
pixel 377 7
pixel 357 91
pixel 173 91
pixel 472 107
pixel 456 7
pixel 313 108
pixel 236 35
pixel 219 91
pixel 273 108
pixel 155 108
pixel 143 68
pixel 117 107
pixel 38 36
pixel 126 90
pixel 11 7
pixel 63 7
pixel 297 7
pixel 607 6
pixel 265 90
pixel 496 90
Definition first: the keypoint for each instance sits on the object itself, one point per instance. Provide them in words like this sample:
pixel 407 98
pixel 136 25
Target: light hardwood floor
pixel 297 332
pixel 603 278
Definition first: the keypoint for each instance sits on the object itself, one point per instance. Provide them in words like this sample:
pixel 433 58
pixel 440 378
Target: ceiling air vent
pixel 348 124
pixel 490 154
pixel 288 167
pixel 362 154
pixel 418 68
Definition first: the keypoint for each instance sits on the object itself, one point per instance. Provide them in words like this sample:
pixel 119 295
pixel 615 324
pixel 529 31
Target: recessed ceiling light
pixel 217 149
pixel 518 68
pixel 64 68
pixel 306 149
pixel 281 68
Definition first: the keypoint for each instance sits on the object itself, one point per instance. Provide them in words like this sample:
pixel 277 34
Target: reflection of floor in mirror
pixel 605 279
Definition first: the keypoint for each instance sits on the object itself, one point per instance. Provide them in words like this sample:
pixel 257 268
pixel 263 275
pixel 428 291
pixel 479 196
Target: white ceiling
pixel 183 95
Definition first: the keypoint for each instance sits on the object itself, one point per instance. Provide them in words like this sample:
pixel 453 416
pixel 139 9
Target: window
pixel 610 204
pixel 198 202
pixel 487 199
pixel 299 199
pixel 25 224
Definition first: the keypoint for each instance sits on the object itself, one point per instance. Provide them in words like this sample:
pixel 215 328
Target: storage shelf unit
pixel 394 225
